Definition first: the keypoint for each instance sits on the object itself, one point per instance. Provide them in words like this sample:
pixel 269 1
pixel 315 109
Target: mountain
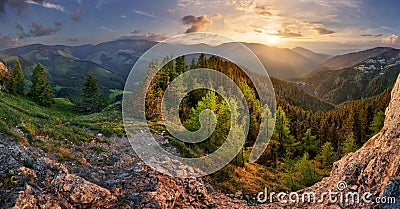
pixel 285 63
pixel 348 60
pixel 68 66
pixel 367 78
pixel 315 57
pixel 112 61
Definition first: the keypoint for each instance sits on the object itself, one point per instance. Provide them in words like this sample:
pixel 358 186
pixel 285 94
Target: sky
pixel 326 26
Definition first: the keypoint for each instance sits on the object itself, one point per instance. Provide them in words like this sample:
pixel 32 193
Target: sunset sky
pixel 326 26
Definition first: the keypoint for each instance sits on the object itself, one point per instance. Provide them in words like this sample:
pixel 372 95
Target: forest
pixel 309 134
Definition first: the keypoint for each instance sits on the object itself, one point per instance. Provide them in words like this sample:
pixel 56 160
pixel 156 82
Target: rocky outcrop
pixel 116 178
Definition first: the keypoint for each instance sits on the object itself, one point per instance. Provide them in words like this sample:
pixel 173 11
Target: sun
pixel 273 39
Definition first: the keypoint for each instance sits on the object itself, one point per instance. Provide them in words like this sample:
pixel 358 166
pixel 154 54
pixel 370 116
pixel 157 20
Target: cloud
pixel 47 5
pixel 323 31
pixel 107 29
pixel 186 3
pixel 147 36
pixel 78 13
pixel 372 35
pixel 288 32
pixel 170 11
pixel 390 39
pixel 58 23
pixel 19 5
pixel 217 16
pixel 22 5
pixel 263 10
pixel 144 13
pixel 337 3
pixel 8 42
pixel 136 32
pixel 197 24
pixel 38 29
pixel 123 16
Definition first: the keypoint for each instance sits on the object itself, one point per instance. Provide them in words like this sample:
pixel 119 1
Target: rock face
pixel 374 169
pixel 31 178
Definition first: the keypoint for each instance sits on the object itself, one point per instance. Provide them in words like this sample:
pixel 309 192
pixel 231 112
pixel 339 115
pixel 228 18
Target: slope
pixel 365 79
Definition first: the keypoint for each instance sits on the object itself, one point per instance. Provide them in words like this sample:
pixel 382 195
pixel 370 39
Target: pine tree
pixel 282 133
pixel 309 144
pixel 327 155
pixel 41 91
pixel 349 145
pixel 181 65
pixel 377 123
pixel 92 100
pixel 306 172
pixel 18 79
pixel 193 64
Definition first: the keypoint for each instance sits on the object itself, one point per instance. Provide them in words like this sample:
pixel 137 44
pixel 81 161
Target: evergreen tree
pixel 306 172
pixel 282 133
pixel 193 64
pixel 41 91
pixel 92 100
pixel 349 145
pixel 18 79
pixel 377 123
pixel 327 155
pixel 309 144
pixel 181 65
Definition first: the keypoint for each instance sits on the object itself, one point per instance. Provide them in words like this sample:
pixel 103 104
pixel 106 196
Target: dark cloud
pixel 40 30
pixel 146 36
pixel 19 28
pixel 20 5
pixel 136 32
pixel 78 13
pixel 197 24
pixel 323 31
pixel 8 42
pixel 372 35
pixel 58 23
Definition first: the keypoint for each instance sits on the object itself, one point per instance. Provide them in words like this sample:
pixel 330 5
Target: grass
pixel 53 128
pixel 113 94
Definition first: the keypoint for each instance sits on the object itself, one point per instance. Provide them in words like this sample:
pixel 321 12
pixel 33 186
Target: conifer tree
pixel 327 155
pixel 18 79
pixel 377 123
pixel 92 100
pixel 41 91
pixel 309 143
pixel 349 145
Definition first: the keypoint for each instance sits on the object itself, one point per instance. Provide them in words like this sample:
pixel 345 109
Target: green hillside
pixel 55 127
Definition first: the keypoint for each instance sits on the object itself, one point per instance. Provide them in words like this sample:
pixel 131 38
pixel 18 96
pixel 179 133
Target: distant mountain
pixel 315 57
pixel 348 60
pixel 68 66
pixel 375 73
pixel 285 63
